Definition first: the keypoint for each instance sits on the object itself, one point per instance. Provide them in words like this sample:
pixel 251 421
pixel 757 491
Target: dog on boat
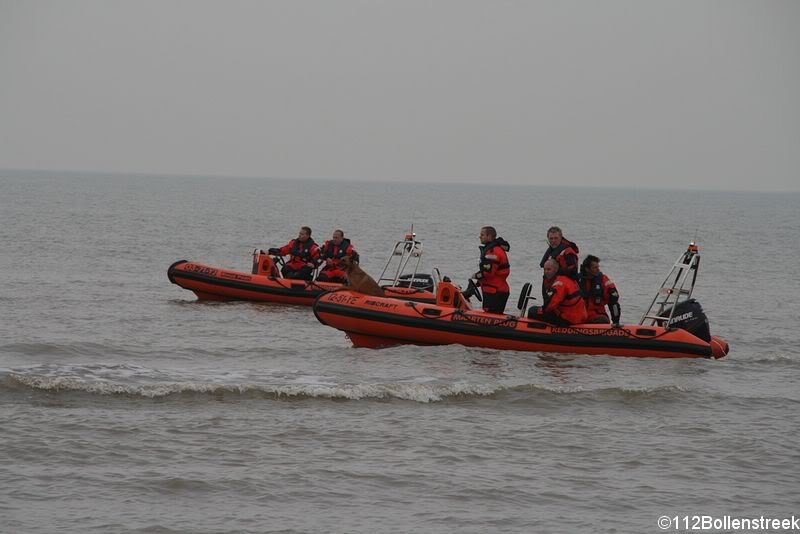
pixel 358 280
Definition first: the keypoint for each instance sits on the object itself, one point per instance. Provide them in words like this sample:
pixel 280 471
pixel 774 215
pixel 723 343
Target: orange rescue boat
pixel 679 327
pixel 265 284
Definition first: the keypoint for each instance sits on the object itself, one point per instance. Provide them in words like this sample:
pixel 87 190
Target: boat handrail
pixel 673 290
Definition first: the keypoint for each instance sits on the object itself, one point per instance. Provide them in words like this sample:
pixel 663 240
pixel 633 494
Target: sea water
pixel 128 406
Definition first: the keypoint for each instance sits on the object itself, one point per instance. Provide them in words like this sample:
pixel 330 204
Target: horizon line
pixel 497 182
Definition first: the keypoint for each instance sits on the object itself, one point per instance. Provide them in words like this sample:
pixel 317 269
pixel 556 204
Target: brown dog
pixel 358 280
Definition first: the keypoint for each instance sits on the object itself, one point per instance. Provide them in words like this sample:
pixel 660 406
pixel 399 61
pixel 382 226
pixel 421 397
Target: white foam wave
pixel 411 391
pixel 404 391
pixel 132 380
pixel 777 357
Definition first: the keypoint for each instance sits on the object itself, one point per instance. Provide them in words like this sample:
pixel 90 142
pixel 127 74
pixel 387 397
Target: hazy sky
pixel 700 94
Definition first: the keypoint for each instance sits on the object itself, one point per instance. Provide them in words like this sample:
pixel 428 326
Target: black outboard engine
pixel 419 281
pixel 689 316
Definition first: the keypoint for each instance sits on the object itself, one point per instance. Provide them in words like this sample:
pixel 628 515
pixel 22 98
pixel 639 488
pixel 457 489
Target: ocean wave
pixel 409 391
pixel 789 357
pixel 402 391
pixel 63 349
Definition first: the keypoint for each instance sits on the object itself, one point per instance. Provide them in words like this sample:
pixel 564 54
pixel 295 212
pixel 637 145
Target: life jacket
pixel 566 254
pixel 329 250
pixel 592 287
pixel 563 298
pixel 495 270
pixel 301 252
pixel 598 292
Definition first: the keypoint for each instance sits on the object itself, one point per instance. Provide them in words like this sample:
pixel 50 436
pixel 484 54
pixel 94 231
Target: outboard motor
pixel 689 316
pixel 419 281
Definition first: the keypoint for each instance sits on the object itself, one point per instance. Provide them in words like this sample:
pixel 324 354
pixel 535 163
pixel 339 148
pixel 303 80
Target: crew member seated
pixel 563 304
pixel 303 256
pixel 598 291
pixel 331 253
pixel 493 270
pixel 564 251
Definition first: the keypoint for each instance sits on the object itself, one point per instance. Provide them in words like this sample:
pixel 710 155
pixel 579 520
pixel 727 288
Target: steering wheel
pixel 472 289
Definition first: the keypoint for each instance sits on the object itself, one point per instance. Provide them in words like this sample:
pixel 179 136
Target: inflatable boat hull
pixel 214 283
pixel 377 322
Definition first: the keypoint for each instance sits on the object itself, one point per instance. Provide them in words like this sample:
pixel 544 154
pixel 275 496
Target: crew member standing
pixel 304 256
pixel 332 252
pixel 598 291
pixel 493 270
pixel 564 251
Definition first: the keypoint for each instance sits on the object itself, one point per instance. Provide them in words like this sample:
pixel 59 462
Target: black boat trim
pixel 508 333
pixel 295 292
pixel 304 293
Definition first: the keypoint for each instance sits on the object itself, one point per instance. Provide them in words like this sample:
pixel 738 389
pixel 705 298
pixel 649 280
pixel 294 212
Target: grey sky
pixel 626 93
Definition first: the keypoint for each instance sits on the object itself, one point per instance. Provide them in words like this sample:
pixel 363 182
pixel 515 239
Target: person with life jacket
pixel 493 270
pixel 563 303
pixel 598 291
pixel 564 251
pixel 303 256
pixel 331 254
